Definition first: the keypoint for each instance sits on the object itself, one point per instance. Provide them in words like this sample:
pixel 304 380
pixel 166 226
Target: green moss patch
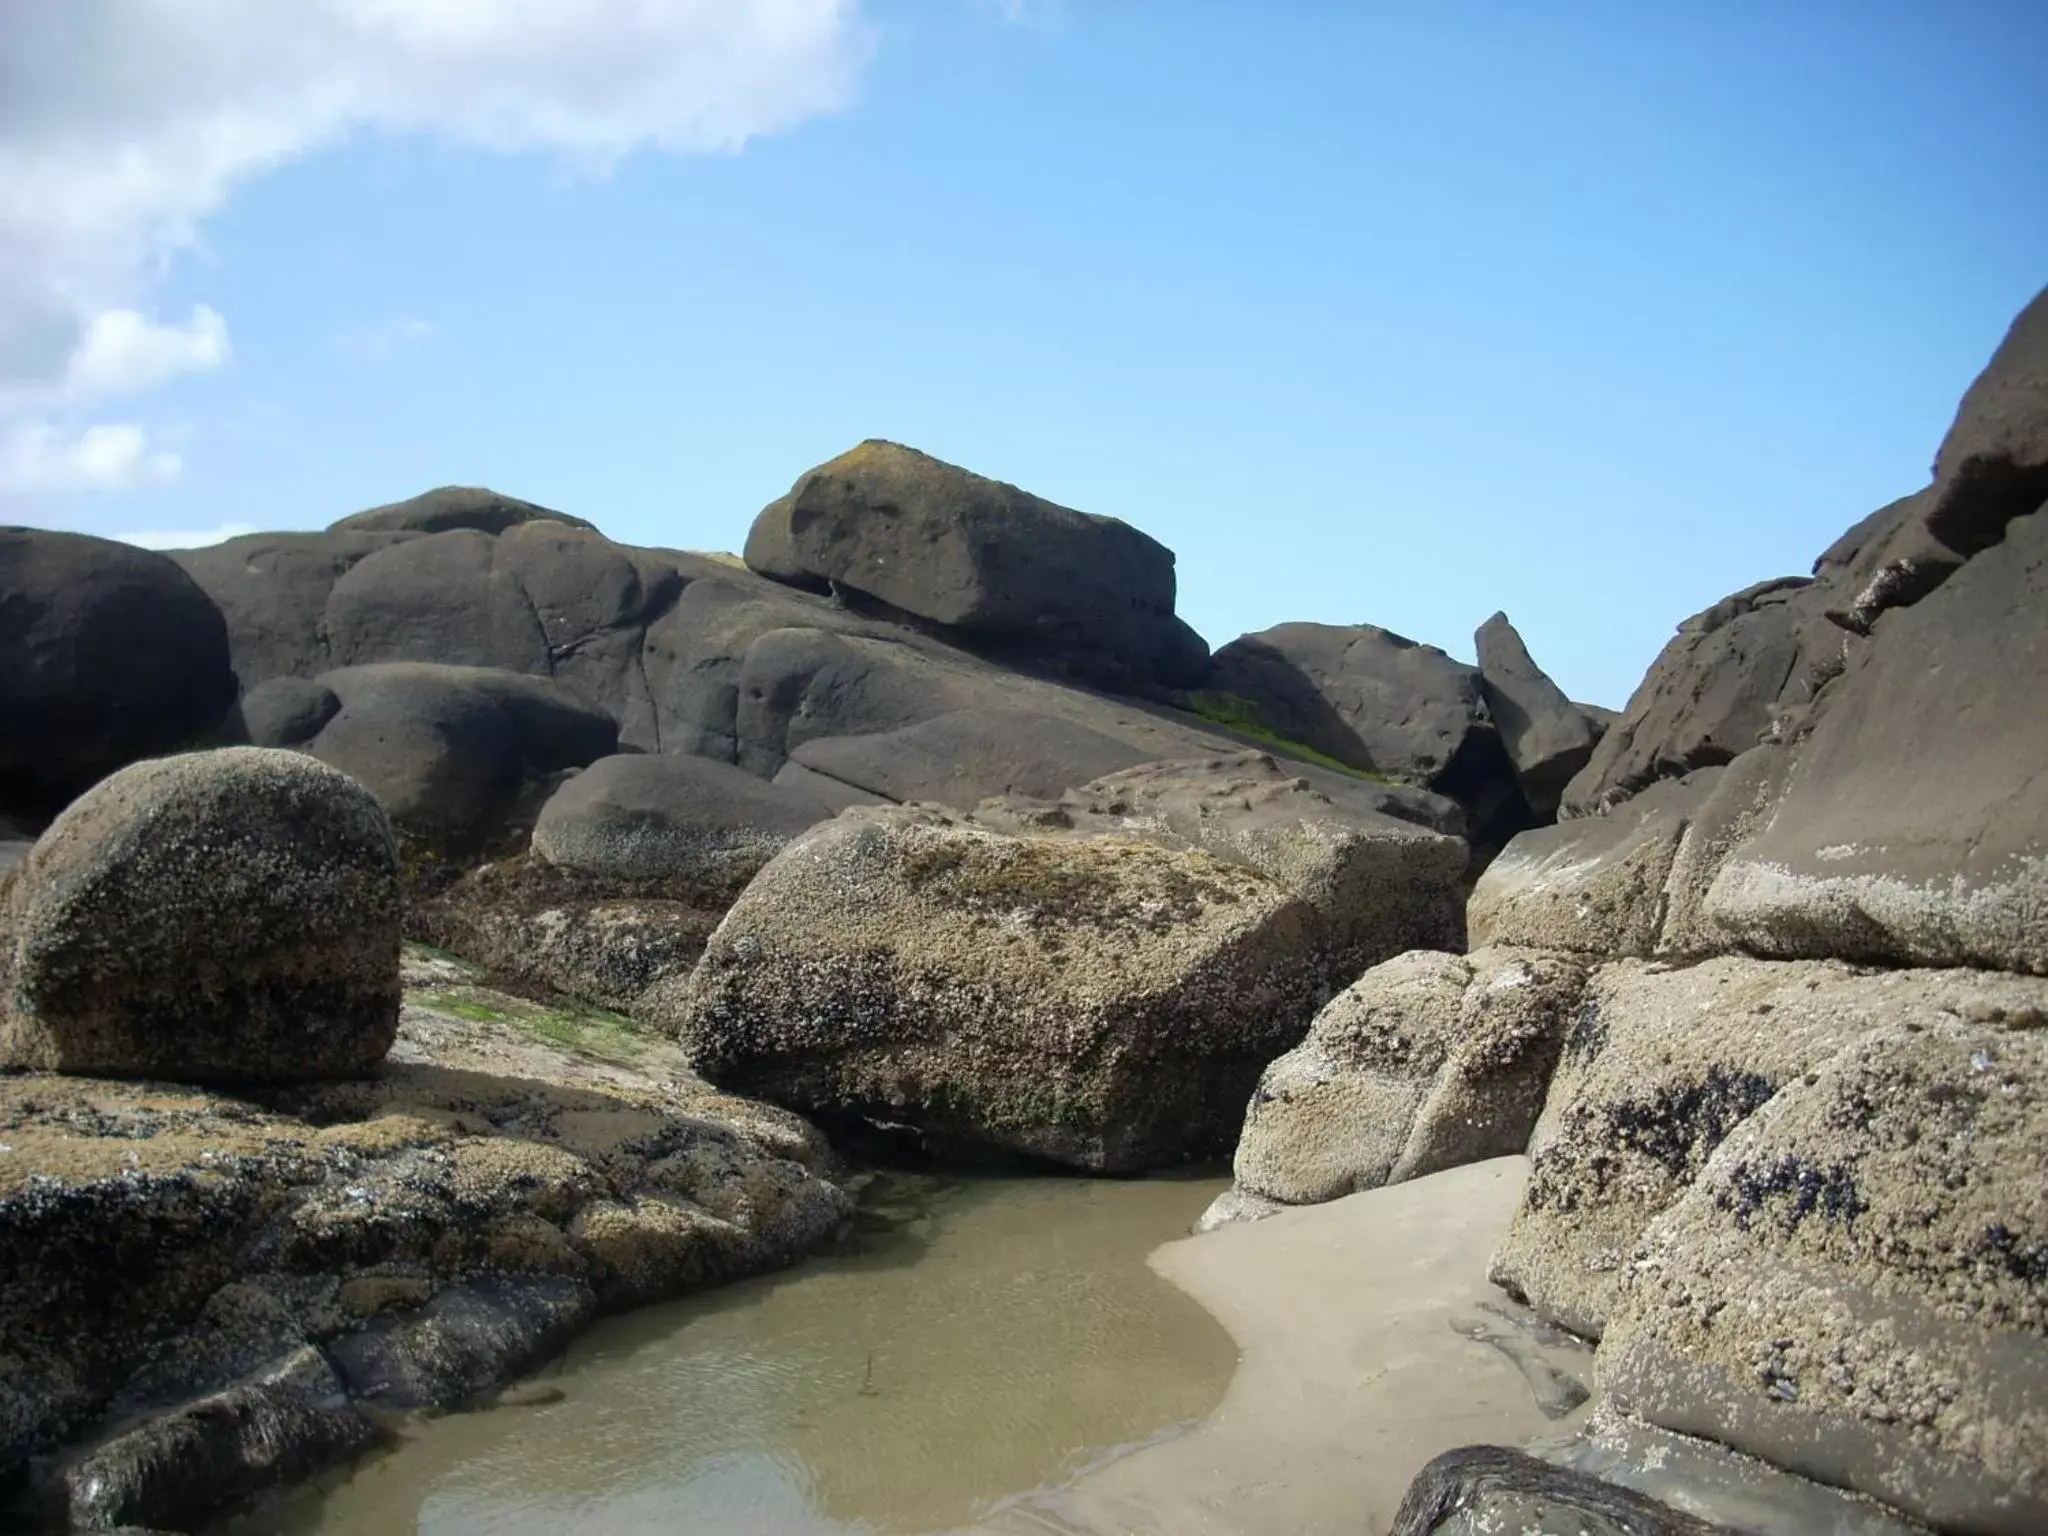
pixel 1234 712
pixel 569 1025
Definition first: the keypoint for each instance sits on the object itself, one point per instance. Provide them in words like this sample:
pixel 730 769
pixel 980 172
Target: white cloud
pixel 123 351
pixel 125 123
pixel 39 456
pixel 387 338
pixel 186 538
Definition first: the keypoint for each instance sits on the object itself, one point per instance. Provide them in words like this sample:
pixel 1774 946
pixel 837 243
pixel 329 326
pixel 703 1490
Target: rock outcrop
pixel 227 916
pixel 207 1296
pixel 1426 1062
pixel 981 557
pixel 1100 1002
pixel 1380 703
pixel 108 653
pixel 1548 738
pixel 451 752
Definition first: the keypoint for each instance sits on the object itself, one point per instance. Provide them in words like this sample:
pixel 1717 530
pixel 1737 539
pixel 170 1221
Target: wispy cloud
pixel 124 124
pixel 39 457
pixel 1038 15
pixel 186 538
pixel 390 336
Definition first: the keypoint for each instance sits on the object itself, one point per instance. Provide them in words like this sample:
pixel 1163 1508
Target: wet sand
pixel 1371 1342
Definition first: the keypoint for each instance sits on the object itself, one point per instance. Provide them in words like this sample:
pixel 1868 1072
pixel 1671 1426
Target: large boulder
pixel 455 754
pixel 1548 738
pixel 1993 465
pixel 1378 702
pixel 1100 1002
pixel 1661 1065
pixel 1856 1285
pixel 272 589
pixel 1426 1062
pixel 451 507
pixel 227 916
pixel 108 653
pixel 1913 823
pixel 985 558
pixel 1377 881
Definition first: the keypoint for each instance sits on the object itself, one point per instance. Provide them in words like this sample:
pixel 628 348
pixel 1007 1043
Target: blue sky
pixel 1384 313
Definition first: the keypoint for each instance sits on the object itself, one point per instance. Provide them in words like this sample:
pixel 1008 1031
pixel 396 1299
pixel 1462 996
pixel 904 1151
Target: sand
pixel 1357 1323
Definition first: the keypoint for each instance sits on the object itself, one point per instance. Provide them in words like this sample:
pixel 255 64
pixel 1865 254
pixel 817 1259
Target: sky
pixel 1393 313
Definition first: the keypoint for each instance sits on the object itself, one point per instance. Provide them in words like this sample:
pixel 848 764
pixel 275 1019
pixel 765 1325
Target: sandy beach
pixel 1357 1323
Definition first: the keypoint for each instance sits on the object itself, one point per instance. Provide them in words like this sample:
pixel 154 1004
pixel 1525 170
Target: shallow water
pixel 977 1339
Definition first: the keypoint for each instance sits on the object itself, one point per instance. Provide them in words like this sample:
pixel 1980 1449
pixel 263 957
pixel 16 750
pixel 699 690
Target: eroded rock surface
pixel 210 1294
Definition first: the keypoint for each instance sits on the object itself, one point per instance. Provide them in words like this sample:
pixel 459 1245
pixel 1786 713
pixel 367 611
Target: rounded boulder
pixel 226 916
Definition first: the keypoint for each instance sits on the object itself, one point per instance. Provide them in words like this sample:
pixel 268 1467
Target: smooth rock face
pixel 701 826
pixel 1547 737
pixel 1854 1286
pixel 451 507
pixel 287 711
pixel 1100 1002
pixel 1993 465
pixel 1378 884
pixel 228 916
pixel 1595 885
pixel 448 750
pixel 1660 1066
pixel 970 755
pixel 938 542
pixel 272 589
pixel 1426 1062
pixel 108 653
pixel 1913 826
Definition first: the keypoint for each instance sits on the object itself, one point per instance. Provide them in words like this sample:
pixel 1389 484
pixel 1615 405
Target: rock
pixel 450 750
pixel 1660 1067
pixel 272 589
pixel 186 1273
pixel 1425 1062
pixel 108 653
pixel 1488 1488
pixel 977 556
pixel 1102 1003
pixel 798 685
pixel 1853 1287
pixel 703 827
pixel 1234 1206
pixel 287 711
pixel 599 937
pixel 1993 465
pixel 441 599
pixel 1595 885
pixel 1548 738
pixel 1377 883
pixel 452 507
pixel 1376 701
pixel 970 755
pixel 1714 691
pixel 228 916
pixel 1913 825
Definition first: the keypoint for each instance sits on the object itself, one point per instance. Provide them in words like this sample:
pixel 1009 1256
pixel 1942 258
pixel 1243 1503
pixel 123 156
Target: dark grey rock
pixel 967 756
pixel 466 1341
pixel 439 599
pixel 1482 1489
pixel 936 541
pixel 451 507
pixel 272 589
pixel 1993 465
pixel 108 653
pixel 450 750
pixel 1548 738
pixel 287 711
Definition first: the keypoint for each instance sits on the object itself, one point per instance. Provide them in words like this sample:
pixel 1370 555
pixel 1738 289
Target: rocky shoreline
pixel 931 820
